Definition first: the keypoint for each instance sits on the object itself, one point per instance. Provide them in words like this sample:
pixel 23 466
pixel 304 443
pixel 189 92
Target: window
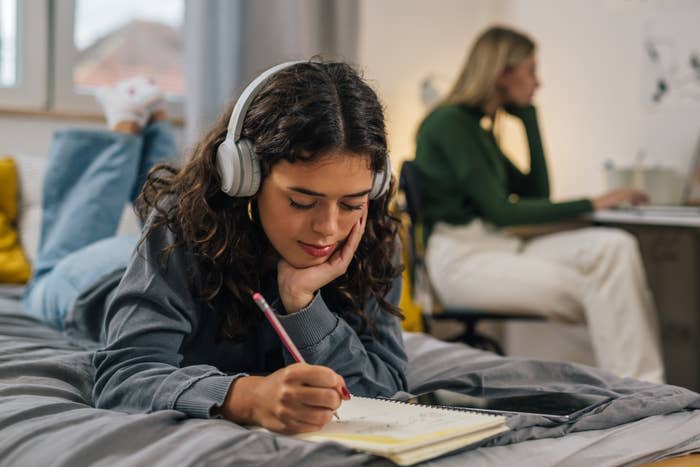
pixel 93 43
pixel 23 43
pixel 99 42
pixel 8 43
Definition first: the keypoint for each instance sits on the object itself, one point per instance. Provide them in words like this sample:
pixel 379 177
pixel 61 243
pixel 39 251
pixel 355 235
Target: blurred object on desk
pixel 663 185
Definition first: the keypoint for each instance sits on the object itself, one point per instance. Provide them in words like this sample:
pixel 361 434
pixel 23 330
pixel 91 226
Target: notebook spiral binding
pixel 444 408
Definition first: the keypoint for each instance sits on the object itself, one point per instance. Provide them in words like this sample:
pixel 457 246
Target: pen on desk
pixel 284 337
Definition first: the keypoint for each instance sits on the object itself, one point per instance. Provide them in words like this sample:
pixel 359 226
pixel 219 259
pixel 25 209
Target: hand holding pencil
pixel 296 399
pixel 286 340
pixel 299 398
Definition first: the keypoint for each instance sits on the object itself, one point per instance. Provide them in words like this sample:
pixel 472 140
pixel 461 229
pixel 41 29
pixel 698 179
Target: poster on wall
pixel 671 45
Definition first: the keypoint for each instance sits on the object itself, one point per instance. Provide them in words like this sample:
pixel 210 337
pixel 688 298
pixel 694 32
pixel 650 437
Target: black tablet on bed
pixel 557 406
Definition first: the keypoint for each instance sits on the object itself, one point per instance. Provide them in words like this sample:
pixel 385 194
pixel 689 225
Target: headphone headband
pixel 235 123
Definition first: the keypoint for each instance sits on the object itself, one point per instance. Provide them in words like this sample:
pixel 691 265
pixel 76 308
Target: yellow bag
pixel 8 188
pixel 412 312
pixel 14 266
pixel 413 321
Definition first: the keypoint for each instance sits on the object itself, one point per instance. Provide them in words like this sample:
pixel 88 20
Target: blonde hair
pixel 497 49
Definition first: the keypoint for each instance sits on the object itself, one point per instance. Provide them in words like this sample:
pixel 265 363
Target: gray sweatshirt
pixel 160 346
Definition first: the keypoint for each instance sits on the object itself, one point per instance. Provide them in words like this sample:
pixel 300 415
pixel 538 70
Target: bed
pixel 46 417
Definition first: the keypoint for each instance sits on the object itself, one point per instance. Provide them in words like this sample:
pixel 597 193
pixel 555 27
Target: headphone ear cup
pixel 249 168
pixel 237 163
pixel 381 181
pixel 239 168
pixel 226 155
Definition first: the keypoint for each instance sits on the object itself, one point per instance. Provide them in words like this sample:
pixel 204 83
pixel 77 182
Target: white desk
pixel 613 216
pixel 670 247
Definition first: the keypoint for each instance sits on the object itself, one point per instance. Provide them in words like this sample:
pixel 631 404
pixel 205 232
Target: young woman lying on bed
pixel 286 195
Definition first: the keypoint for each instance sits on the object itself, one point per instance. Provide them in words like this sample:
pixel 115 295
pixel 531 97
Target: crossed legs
pixel 90 177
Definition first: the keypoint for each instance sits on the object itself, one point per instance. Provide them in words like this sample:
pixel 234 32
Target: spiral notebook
pixel 406 433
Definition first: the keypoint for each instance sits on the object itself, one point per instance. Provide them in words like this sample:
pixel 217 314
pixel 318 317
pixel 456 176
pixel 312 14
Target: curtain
pixel 228 42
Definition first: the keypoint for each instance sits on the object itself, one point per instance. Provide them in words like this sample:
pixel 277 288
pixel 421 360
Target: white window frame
pixel 65 98
pixel 30 89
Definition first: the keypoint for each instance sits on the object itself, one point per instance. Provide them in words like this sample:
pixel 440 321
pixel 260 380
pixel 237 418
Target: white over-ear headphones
pixel 237 163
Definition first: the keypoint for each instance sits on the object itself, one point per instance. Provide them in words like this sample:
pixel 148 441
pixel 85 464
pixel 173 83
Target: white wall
pixel 591 62
pixel 404 41
pixel 596 82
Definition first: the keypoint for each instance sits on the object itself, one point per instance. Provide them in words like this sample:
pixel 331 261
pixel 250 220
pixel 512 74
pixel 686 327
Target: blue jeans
pixel 90 177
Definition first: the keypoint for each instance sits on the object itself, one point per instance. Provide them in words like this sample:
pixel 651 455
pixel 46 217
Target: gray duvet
pixel 46 418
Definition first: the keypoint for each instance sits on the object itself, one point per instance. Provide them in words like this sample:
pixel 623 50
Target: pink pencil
pixel 277 326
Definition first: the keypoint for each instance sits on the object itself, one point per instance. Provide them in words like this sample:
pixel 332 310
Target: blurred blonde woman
pixel 592 275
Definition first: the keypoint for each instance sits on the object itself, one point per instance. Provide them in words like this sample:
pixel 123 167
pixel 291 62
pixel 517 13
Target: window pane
pixel 8 42
pixel 117 39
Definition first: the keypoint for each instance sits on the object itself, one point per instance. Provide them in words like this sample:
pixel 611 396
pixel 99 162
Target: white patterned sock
pixel 131 100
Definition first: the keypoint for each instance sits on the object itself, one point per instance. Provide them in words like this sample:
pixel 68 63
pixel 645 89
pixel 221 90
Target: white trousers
pixel 593 275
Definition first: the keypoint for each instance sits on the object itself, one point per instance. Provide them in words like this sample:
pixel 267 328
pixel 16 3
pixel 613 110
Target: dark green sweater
pixel 466 175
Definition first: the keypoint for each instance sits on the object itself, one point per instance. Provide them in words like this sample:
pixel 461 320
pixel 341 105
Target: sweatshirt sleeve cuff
pixel 310 325
pixel 200 398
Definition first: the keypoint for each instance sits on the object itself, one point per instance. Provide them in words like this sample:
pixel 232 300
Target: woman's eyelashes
pixel 352 207
pixel 296 205
pixel 304 207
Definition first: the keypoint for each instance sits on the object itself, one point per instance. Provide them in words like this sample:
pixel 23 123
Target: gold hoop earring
pixel 250 210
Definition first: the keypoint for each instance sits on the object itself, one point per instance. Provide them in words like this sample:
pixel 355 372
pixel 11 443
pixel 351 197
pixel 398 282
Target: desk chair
pixel 409 184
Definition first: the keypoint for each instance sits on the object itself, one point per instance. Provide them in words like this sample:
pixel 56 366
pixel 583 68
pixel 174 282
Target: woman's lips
pixel 317 250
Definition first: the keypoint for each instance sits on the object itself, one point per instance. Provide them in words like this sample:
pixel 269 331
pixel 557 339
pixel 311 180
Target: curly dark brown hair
pixel 304 112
